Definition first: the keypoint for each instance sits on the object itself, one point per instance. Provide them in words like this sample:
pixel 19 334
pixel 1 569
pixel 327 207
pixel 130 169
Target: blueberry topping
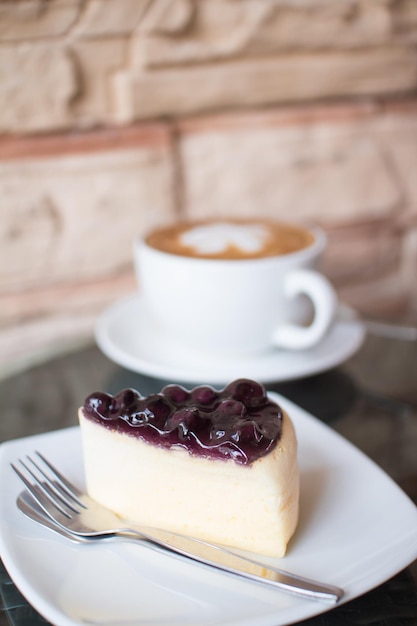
pixel 239 422
pixel 100 404
pixel 175 393
pixel 204 396
pixel 247 391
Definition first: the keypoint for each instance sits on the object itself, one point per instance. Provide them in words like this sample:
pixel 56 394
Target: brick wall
pixel 116 115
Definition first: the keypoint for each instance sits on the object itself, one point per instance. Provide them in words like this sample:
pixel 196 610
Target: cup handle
pixel 324 299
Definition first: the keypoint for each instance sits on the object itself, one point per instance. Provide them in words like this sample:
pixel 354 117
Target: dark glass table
pixel 371 400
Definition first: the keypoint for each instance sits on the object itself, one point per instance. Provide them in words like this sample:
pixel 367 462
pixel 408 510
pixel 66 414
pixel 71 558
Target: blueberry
pixel 230 408
pixel 269 422
pixel 249 392
pixel 246 432
pixel 204 396
pixel 126 402
pixel 158 408
pixel 177 394
pixel 139 414
pixel 182 421
pixel 100 404
pixel 126 399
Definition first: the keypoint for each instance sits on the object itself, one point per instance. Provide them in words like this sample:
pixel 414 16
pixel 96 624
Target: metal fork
pixel 75 513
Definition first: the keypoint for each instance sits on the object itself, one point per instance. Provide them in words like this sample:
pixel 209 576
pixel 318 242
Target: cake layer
pixel 249 506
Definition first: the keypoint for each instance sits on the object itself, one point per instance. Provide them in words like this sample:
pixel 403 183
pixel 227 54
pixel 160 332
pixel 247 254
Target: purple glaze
pixel 238 423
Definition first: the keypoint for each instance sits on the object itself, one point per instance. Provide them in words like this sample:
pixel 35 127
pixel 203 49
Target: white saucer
pixel 127 336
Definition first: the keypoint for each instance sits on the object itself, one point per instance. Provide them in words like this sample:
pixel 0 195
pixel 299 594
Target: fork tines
pixel 48 486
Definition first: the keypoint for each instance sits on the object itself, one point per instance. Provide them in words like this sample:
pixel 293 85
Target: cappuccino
pixel 229 287
pixel 230 239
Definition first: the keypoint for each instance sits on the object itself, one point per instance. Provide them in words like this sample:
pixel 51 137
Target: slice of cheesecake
pixel 217 465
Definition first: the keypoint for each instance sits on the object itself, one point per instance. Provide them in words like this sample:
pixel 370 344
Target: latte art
pixel 218 238
pixel 231 239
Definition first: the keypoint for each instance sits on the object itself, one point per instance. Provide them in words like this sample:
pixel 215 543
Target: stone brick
pixel 169 16
pixel 110 17
pixel 50 320
pixel 389 297
pixel 358 24
pixel 334 172
pixel 52 86
pixel 223 30
pixel 283 79
pixel 361 252
pixel 219 30
pixel 75 216
pixel 97 60
pixel 36 19
pixel 71 298
pixel 38 81
pixel 400 134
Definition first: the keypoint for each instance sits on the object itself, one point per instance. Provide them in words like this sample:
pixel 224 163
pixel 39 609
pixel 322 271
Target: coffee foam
pixel 217 238
pixel 230 239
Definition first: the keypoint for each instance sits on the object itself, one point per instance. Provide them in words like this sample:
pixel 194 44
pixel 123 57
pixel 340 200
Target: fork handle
pixel 224 559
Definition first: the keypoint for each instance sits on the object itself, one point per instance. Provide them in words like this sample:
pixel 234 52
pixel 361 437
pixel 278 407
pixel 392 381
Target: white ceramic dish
pixel 128 337
pixel 356 530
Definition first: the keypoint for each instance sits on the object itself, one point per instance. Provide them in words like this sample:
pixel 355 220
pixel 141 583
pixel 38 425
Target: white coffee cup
pixel 238 306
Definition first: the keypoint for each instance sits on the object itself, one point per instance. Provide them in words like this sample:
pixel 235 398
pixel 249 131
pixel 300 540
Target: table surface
pixel 371 400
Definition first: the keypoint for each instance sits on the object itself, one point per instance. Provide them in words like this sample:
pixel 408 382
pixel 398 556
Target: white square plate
pixel 356 530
